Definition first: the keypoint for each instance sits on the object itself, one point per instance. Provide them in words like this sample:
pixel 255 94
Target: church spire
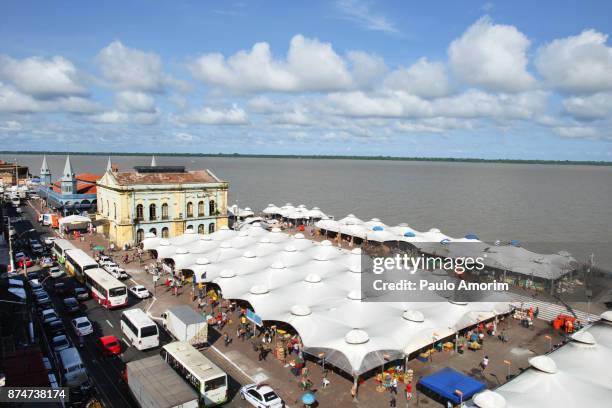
pixel 45 173
pixel 109 165
pixel 153 163
pixel 68 174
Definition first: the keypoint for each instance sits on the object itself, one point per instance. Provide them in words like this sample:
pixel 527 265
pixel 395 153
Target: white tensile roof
pixel 316 287
pixel 575 375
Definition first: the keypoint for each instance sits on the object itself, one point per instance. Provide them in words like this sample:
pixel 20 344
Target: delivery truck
pixel 154 384
pixel 185 324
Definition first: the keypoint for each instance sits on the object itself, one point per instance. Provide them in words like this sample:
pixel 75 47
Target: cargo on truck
pixel 185 324
pixel 154 384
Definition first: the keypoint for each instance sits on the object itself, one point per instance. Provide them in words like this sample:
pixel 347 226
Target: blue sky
pixel 459 79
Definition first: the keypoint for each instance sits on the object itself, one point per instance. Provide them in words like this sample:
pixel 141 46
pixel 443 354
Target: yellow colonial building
pixel 160 200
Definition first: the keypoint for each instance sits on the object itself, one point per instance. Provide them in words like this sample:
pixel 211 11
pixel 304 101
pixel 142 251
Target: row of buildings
pixel 161 200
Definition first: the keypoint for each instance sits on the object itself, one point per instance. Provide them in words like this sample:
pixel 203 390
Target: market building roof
pixel 162 177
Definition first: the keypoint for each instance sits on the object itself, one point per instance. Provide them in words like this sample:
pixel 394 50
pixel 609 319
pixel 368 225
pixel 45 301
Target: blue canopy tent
pixel 472 236
pixel 447 381
pixel 378 228
pixel 409 234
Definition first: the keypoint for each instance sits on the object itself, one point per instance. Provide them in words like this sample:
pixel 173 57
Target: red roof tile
pixel 188 177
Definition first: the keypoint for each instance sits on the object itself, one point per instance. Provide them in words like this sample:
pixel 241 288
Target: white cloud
pixel 74 104
pixel 576 131
pixel 360 13
pixel 210 116
pixel 131 69
pixel 311 65
pixel 131 101
pixel 581 63
pixel 596 106
pixel 470 104
pixel 492 56
pixel 12 100
pixel 294 117
pixel 263 104
pixel 110 117
pixel 42 78
pixel 184 137
pixel 367 69
pixel 11 126
pixel 423 78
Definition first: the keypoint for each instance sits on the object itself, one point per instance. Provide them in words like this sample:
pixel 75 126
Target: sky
pixel 509 80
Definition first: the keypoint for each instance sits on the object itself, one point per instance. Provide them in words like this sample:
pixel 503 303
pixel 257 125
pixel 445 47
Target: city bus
pixel 208 380
pixel 77 262
pixel 141 331
pixel 108 291
pixel 60 246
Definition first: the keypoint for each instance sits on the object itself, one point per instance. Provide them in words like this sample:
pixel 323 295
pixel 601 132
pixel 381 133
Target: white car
pixel 60 343
pixel 37 248
pixel 116 272
pixel 261 396
pixel 49 240
pixel 140 292
pixel 20 255
pixel 48 315
pixel 82 326
pixel 55 272
pixel 107 263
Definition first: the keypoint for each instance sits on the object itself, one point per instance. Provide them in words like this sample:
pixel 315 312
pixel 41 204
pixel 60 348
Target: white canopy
pixel 73 219
pixel 316 288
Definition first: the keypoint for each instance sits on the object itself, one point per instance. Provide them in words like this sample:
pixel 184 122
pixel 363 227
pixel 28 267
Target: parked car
pixel 36 286
pixel 25 263
pixel 108 264
pixel 48 315
pixel 49 240
pixel 140 291
pixel 71 305
pixel 42 297
pixel 55 327
pixel 33 276
pixel 261 396
pixel 55 272
pixel 116 272
pixel 37 248
pixel 60 289
pixel 20 255
pixel 80 293
pixel 109 346
pixel 82 326
pixel 60 342
pixel 105 258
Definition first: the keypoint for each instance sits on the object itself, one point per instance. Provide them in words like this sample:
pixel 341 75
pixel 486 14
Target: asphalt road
pixel 105 372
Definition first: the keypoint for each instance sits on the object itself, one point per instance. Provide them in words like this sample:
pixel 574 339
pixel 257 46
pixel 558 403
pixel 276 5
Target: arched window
pixel 102 207
pixel 139 235
pixel 211 228
pixel 153 231
pixel 189 209
pixel 200 208
pixel 190 227
pixel 152 212
pixel 164 211
pixel 165 232
pixel 211 207
pixel 115 211
pixel 107 209
pixel 201 229
pixel 139 212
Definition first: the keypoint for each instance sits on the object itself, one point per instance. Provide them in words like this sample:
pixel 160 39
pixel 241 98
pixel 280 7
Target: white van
pixel 141 331
pixel 73 370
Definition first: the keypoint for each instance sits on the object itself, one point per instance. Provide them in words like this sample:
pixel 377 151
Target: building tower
pixel 68 180
pixel 109 165
pixel 45 173
pixel 153 163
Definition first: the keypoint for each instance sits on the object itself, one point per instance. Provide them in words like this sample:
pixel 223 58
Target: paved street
pixel 106 372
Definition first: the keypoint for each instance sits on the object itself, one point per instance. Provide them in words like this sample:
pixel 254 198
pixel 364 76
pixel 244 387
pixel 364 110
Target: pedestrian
pixel 226 339
pixel 326 382
pixel 409 391
pixel 81 340
pixel 392 402
pixel 484 363
pixel 394 386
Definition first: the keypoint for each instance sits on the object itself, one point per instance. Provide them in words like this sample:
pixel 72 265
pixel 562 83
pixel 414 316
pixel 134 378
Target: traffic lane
pixel 105 372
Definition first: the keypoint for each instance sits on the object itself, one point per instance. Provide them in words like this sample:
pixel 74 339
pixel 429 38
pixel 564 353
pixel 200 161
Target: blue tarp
pixel 471 236
pixel 409 234
pixel 377 228
pixel 447 380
